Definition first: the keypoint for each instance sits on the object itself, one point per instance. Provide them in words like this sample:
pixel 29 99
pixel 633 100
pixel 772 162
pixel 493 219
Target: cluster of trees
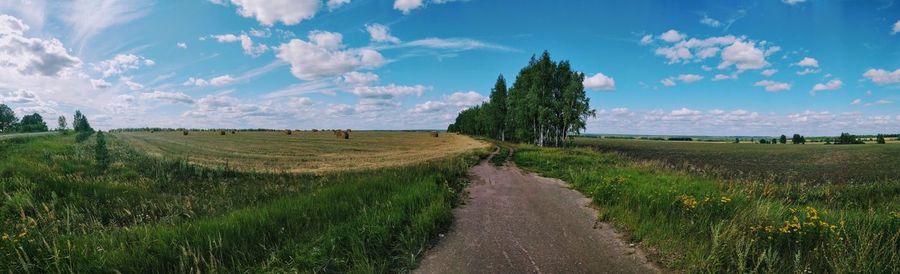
pixel 35 123
pixel 544 106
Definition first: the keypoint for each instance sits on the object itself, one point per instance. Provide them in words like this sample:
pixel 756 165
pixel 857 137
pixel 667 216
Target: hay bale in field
pixel 288 132
pixel 184 132
pixel 315 130
pixel 340 134
pixel 232 132
pixel 221 132
pixel 348 130
pixel 434 134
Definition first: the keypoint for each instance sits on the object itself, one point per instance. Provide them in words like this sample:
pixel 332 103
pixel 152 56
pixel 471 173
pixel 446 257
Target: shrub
pixel 83 136
pixel 101 153
pixel 880 139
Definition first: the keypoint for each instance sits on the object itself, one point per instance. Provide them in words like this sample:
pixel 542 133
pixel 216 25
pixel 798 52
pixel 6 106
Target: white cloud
pixel 182 45
pixel 453 103
pixel 856 102
pixel 669 82
pixel 793 2
pixel 896 28
pixel 672 36
pixel 32 56
pixel 808 71
pixel 333 4
pixel 879 102
pixel 358 79
pixel 808 62
pixel 429 106
pixel 173 97
pixel 131 84
pixel 830 85
pixel 710 22
pixel 599 82
pixel 773 86
pixel 299 102
pixel 246 43
pixel 389 91
pixel 720 77
pixel 769 72
pixel 381 33
pixel 320 57
pixel 743 55
pixel 88 18
pixel 122 63
pixel 647 39
pixel 100 83
pixel 689 78
pixel 883 77
pixel 407 6
pixel 215 81
pixel 458 44
pixel 288 12
pixel 20 96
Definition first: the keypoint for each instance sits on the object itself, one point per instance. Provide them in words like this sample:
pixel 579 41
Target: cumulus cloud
pixel 100 83
pixel 288 12
pixel 333 4
pixel 830 85
pixel 406 6
pixel 122 63
pixel 671 36
pixel 773 86
pixel 856 102
pixel 32 56
pixel 324 56
pixel 215 81
pixel 357 79
pixel 247 43
pixel 181 45
pixel 452 103
pixel 743 55
pixel 883 77
pixel 710 22
pixel 689 78
pixel 647 39
pixel 599 82
pixel 20 96
pixel 720 77
pixel 669 82
pixel 172 97
pixel 808 62
pixel 896 28
pixel 769 72
pixel 380 33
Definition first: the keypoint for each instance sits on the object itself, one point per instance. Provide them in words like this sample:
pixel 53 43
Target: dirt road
pixel 515 222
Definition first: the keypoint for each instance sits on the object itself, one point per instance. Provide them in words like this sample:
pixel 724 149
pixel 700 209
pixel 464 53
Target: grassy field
pixel 695 221
pixel 777 163
pixel 316 152
pixel 60 213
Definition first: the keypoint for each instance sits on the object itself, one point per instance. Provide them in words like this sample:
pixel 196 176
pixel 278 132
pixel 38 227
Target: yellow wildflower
pixel 4 237
pixel 725 199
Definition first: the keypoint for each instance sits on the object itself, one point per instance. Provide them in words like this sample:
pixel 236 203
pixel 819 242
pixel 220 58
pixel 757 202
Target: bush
pixel 83 136
pixel 101 153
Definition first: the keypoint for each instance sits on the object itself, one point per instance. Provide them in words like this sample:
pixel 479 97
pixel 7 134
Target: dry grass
pixel 303 152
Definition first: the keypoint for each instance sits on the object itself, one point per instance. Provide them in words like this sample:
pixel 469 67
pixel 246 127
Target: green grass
pixel 776 163
pixel 698 223
pixel 157 215
pixel 502 155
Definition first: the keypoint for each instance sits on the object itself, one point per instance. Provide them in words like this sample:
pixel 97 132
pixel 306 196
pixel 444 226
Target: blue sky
pixel 653 67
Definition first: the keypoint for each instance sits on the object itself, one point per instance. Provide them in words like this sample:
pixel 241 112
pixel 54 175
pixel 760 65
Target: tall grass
pixel 704 224
pixel 147 214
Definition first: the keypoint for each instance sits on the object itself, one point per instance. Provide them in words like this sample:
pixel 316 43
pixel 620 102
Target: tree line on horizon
pixel 544 106
pixel 34 122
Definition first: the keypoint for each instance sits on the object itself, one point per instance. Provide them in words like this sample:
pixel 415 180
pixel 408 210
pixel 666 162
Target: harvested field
pixel 304 152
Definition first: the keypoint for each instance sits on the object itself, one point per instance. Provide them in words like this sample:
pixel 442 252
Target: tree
pixel 32 123
pixel 774 141
pixel 797 139
pixel 737 140
pixel 763 141
pixel 7 118
pixel 848 139
pixel 544 106
pixel 101 153
pixel 498 108
pixel 61 121
pixel 80 123
pixel 783 139
pixel 879 139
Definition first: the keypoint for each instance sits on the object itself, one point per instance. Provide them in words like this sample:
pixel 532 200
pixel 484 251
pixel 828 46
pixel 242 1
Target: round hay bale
pixel 315 130
pixel 232 132
pixel 288 132
pixel 340 134
pixel 434 134
pixel 222 132
pixel 185 132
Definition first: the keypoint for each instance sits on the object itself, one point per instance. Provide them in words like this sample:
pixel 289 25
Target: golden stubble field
pixel 302 151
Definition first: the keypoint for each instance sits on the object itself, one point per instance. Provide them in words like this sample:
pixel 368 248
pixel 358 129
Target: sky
pixel 765 67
